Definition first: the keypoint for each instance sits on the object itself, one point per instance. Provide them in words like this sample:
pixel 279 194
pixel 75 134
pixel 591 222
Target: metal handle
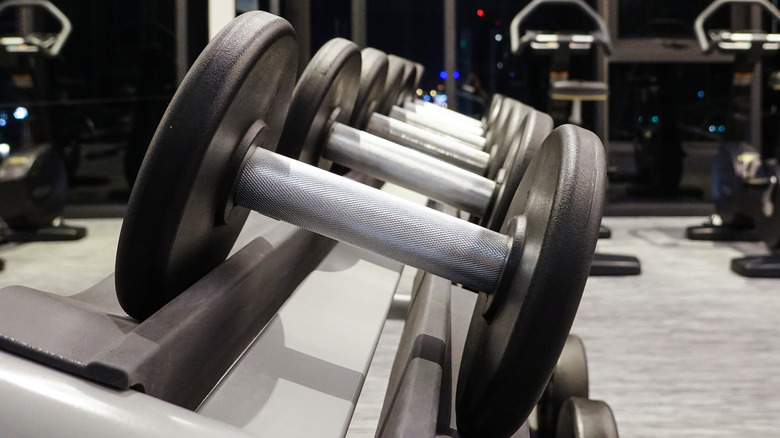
pixel 439 146
pixel 388 161
pixel 706 42
pixel 602 36
pixel 65 26
pixel 427 108
pixel 411 118
pixel 440 121
pixel 345 210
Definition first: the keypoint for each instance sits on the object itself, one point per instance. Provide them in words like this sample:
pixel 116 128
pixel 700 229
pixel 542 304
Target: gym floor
pixel 686 349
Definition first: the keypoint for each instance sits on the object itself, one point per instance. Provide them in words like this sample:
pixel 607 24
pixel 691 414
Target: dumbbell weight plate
pixel 570 379
pixel 325 93
pixel 517 334
pixel 519 326
pixel 525 142
pixel 327 87
pixel 396 68
pixel 176 230
pixel 373 77
pixel 585 418
pixel 373 68
pixel 533 130
pixel 409 86
pixel 419 70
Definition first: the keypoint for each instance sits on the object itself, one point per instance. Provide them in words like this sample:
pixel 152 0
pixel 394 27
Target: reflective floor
pixel 687 349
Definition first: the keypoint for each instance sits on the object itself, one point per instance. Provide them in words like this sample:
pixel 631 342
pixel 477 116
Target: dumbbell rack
pixel 148 371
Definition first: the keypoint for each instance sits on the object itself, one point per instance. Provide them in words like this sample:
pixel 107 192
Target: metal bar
pixel 756 86
pixel 359 22
pixel 453 131
pixel 325 203
pixel 431 109
pixel 298 13
pixel 220 13
pixel 182 51
pixel 444 148
pixel 408 168
pixel 450 52
pixel 275 7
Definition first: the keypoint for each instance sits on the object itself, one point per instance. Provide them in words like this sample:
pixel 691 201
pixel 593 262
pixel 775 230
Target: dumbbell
pixel 324 101
pixel 397 79
pixel 407 101
pixel 533 127
pixel 373 91
pixel 498 106
pixel 226 118
pixel 373 74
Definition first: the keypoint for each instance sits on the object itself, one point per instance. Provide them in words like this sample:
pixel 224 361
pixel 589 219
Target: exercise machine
pixel 33 175
pixel 738 159
pixel 567 95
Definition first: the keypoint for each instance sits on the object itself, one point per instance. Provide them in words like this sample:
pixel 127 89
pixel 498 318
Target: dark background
pixel 106 92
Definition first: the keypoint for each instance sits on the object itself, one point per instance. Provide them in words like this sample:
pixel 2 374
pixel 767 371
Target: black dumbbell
pixel 408 100
pixel 441 119
pixel 324 100
pixel 482 138
pixel 514 129
pixel 569 379
pixel 585 418
pixel 226 117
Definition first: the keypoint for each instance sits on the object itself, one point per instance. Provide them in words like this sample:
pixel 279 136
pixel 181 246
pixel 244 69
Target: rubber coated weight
pixel 511 160
pixel 328 86
pixel 326 93
pixel 396 68
pixel 494 130
pixel 179 223
pixel 513 138
pixel 333 68
pixel 419 70
pixel 533 130
pixel 493 110
pixel 531 275
pixel 373 77
pixel 409 83
pixel 584 418
pixel 411 136
pixel 517 333
pixel 569 379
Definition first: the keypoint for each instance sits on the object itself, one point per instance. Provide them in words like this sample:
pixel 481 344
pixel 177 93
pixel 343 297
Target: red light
pixel 480 12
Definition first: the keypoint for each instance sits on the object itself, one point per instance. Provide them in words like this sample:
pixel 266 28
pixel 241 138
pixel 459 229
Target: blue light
pixel 654 119
pixel 456 75
pixel 443 75
pixel 3 122
pixel 640 119
pixel 512 74
pixel 712 128
pixel 721 128
pixel 3 115
pixel 20 113
pixel 440 99
pixel 700 94
pixel 427 98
